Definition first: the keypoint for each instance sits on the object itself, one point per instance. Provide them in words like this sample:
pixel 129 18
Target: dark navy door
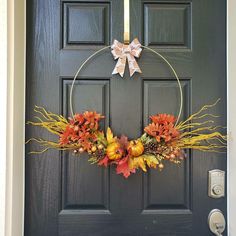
pixel 65 195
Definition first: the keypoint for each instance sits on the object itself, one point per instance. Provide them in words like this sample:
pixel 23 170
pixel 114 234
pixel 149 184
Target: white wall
pixel 3 106
pixel 232 116
pixel 14 217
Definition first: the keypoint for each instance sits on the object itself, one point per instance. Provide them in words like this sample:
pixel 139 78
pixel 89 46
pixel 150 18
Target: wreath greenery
pixel 162 140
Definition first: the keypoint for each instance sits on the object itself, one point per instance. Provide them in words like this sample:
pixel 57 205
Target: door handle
pixel 216 222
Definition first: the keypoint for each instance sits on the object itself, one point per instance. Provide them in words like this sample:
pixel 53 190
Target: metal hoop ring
pixel 149 49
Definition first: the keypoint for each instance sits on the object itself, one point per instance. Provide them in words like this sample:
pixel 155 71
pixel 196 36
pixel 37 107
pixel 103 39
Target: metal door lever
pixel 216 222
pixel 219 229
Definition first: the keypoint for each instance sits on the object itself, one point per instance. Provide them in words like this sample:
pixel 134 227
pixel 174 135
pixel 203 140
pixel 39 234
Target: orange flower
pixel 163 118
pixel 65 137
pixel 162 128
pixel 78 119
pixel 81 130
pixel 92 117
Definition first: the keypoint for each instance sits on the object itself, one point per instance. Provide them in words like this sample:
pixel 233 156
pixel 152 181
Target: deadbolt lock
pixel 217 190
pixel 216 183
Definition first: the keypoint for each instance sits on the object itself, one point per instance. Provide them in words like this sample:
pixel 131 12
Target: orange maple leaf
pixel 123 167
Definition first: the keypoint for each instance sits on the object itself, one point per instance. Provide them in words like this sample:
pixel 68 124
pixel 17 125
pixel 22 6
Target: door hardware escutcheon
pixel 216 222
pixel 216 183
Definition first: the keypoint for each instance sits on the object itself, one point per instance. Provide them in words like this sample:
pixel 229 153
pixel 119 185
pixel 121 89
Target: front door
pixel 65 195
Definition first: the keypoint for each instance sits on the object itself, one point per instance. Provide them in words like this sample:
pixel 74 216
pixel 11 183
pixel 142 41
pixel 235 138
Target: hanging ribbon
pixel 125 53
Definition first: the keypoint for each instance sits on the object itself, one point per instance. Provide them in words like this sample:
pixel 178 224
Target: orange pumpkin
pixel 136 148
pixel 114 151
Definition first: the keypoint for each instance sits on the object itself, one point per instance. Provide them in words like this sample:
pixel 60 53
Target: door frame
pixel 13 82
pixel 231 114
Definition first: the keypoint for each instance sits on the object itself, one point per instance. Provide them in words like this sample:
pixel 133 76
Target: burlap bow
pixel 124 52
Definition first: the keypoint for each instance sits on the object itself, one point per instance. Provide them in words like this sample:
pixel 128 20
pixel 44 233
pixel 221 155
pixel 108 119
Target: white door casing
pixel 231 80
pixel 14 80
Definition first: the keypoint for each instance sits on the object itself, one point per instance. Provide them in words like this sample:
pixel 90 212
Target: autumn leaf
pixel 93 160
pixel 110 138
pixel 137 162
pixel 123 168
pixel 101 137
pixel 104 161
pixel 123 140
pixel 150 160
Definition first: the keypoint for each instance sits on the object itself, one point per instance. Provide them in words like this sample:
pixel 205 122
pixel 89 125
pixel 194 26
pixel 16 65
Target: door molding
pixel 15 98
pixel 3 94
pixel 231 81
pixel 14 80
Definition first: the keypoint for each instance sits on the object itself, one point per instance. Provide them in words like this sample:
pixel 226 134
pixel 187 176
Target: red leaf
pixel 104 161
pixel 123 168
pixel 123 140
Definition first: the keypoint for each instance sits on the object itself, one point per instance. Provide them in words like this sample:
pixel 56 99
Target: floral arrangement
pixel 163 140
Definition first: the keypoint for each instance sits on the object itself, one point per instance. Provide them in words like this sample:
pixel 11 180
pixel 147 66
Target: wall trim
pixel 16 47
pixel 3 105
pixel 231 80
pixel 14 81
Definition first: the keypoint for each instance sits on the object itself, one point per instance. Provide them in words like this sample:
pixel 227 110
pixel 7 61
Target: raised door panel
pixel 167 195
pixel 85 186
pixel 89 24
pixel 171 188
pixel 86 24
pixel 167 25
pixel 163 25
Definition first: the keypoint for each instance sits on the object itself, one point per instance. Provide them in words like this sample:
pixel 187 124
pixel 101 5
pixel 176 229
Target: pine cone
pixel 100 153
pixel 151 147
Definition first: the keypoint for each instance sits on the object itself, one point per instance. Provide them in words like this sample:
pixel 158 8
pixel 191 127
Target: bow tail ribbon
pixel 133 65
pixel 120 66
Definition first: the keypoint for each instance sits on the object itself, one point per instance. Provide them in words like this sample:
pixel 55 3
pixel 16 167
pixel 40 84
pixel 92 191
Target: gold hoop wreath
pixel 165 138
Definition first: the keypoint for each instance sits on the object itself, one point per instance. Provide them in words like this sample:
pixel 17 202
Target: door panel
pixel 78 189
pixel 177 178
pixel 167 25
pixel 78 18
pixel 65 195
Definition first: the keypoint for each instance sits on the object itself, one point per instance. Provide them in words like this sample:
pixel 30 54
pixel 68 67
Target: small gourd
pixel 114 151
pixel 136 148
